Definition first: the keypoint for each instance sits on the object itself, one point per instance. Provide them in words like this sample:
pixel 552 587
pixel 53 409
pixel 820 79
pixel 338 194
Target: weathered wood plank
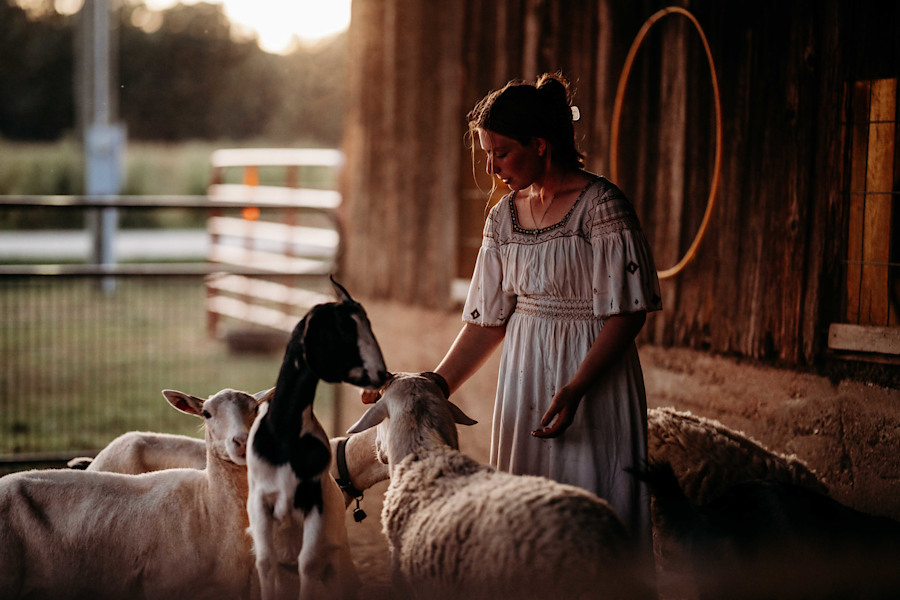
pixel 296 239
pixel 823 293
pixel 861 338
pixel 257 290
pixel 271 261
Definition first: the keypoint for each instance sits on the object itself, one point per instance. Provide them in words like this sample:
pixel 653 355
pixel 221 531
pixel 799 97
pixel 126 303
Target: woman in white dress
pixel 565 276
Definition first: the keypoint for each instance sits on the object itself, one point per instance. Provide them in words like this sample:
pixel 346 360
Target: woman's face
pixel 516 165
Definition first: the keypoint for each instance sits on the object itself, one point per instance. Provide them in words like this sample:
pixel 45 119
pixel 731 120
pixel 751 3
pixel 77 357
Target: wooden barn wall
pixel 764 279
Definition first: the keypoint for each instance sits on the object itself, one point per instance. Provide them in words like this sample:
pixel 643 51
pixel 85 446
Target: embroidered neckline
pixel 557 225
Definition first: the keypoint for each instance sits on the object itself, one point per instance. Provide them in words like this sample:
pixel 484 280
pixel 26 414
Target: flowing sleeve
pixel 487 304
pixel 624 273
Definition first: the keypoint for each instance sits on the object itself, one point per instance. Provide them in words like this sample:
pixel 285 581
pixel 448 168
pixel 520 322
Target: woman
pixel 565 276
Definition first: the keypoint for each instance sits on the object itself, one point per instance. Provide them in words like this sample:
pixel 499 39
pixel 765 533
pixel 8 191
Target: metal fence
pixel 86 349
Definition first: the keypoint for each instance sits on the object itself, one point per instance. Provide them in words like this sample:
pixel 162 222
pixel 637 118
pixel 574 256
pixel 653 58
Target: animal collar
pixel 343 480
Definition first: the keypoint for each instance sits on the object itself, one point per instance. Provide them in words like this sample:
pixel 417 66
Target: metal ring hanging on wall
pixel 617 114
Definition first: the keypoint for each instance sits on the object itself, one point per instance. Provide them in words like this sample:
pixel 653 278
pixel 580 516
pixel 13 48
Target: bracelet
pixel 439 380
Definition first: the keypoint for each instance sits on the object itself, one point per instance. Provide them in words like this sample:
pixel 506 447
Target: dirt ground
pixel 848 432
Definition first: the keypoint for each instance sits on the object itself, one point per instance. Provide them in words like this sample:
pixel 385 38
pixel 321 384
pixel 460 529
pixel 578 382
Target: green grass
pixel 79 366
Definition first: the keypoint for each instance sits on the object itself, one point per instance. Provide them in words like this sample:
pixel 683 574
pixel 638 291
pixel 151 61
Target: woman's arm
pixel 614 339
pixel 472 347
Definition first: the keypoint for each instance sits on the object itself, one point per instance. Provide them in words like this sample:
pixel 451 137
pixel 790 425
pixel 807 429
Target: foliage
pixel 36 94
pixel 151 168
pixel 41 168
pixel 188 78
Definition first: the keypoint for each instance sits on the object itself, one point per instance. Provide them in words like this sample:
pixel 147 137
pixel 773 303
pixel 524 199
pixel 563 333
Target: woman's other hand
pixel 560 414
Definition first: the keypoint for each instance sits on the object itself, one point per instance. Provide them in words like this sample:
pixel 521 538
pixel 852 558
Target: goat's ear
pixel 459 416
pixel 186 403
pixel 340 292
pixel 372 417
pixel 264 395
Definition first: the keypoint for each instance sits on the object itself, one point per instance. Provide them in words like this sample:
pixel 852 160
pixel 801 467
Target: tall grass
pixel 58 168
pixel 38 168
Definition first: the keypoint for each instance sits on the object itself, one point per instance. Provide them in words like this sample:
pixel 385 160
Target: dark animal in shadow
pixel 777 540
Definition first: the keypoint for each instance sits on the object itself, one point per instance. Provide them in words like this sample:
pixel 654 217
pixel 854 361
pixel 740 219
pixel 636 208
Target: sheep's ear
pixel 186 403
pixel 372 417
pixel 339 291
pixel 459 416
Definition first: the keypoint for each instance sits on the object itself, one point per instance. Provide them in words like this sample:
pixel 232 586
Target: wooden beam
pixel 861 338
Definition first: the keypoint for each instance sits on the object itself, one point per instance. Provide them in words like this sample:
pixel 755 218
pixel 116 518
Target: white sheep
pixel 137 452
pixel 460 529
pixel 295 507
pixel 708 457
pixel 179 533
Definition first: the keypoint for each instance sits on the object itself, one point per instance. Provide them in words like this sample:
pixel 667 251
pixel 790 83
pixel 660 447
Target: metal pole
pixel 103 139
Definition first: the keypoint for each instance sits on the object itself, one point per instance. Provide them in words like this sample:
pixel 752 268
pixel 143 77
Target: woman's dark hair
pixel 522 111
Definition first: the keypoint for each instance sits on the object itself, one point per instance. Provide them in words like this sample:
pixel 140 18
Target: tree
pixel 36 97
pixel 189 78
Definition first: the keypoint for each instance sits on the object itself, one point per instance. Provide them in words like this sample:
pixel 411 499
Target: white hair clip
pixel 576 114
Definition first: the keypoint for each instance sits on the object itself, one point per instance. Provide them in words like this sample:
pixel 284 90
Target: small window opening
pixel 871 291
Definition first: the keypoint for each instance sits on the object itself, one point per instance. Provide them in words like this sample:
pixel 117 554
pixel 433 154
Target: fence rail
pixel 261 197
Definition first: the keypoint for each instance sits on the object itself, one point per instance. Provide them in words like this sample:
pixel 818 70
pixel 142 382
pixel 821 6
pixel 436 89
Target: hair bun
pixel 555 86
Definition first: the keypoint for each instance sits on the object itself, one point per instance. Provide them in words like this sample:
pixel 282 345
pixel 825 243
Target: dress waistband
pixel 547 307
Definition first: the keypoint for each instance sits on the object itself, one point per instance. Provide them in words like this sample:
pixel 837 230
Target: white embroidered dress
pixel 554 288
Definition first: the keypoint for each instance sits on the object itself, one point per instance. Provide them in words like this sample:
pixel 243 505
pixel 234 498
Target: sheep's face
pixel 419 415
pixel 227 416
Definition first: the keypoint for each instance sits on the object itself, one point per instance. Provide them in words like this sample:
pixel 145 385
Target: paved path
pixel 131 244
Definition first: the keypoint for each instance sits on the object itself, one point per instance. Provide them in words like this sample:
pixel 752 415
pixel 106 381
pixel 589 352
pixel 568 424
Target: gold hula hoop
pixel 617 114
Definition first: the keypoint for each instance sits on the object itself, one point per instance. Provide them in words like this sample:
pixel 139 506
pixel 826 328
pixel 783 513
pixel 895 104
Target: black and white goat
pixel 296 509
pixel 778 540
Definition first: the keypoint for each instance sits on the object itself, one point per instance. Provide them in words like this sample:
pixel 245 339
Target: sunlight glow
pixel 278 21
pixel 279 24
